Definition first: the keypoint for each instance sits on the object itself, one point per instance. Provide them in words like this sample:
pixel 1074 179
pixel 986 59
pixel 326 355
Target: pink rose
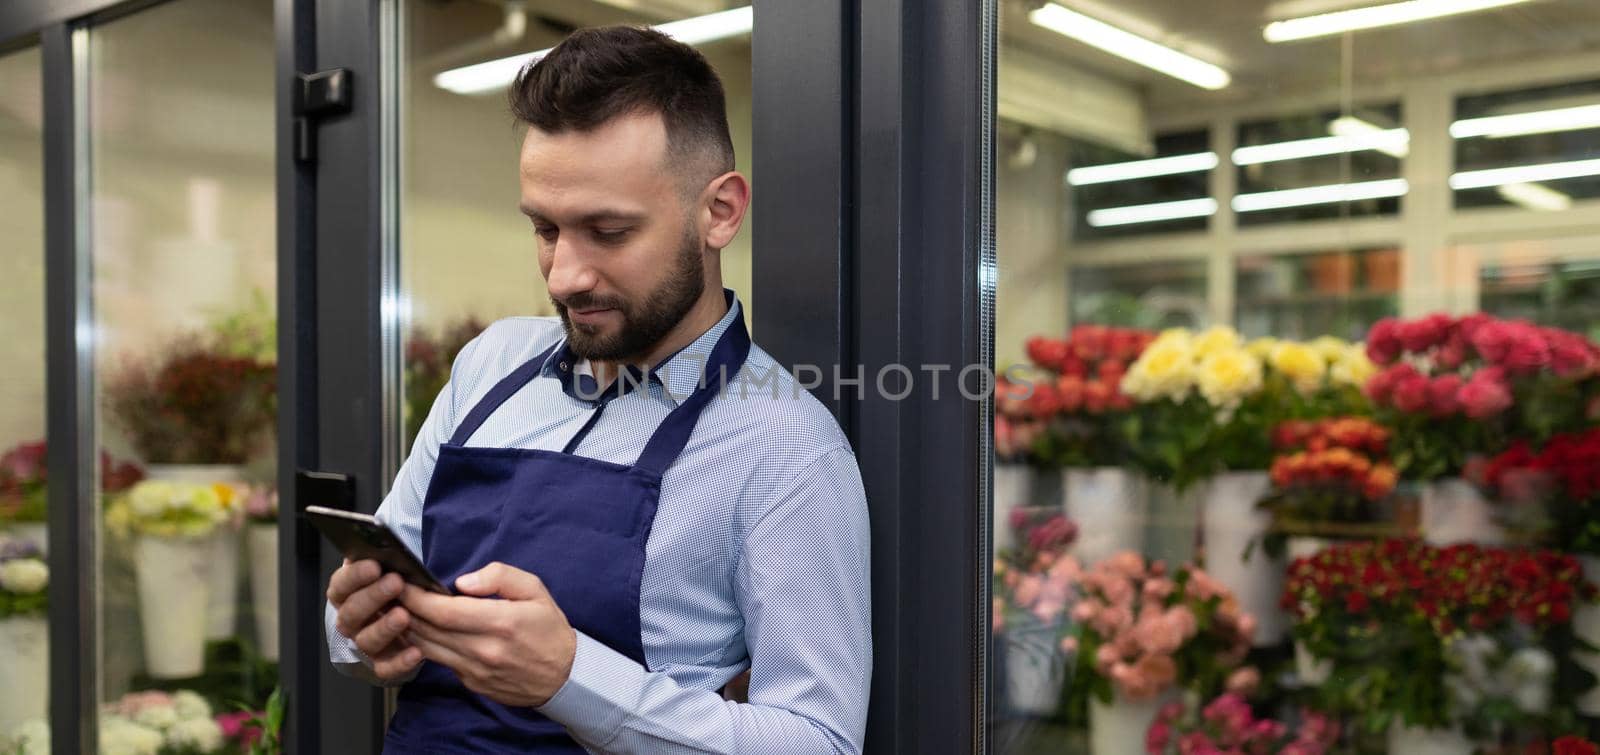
pixel 1423 334
pixel 1183 618
pixel 1243 681
pixel 1442 395
pixel 1158 589
pixel 1411 394
pixel 1028 589
pixel 1127 563
pixel 1247 626
pixel 1084 612
pixel 1159 669
pixel 1157 635
pixel 1069 645
pixel 1484 397
pixel 1493 340
pixel 1452 354
pixel 1105 658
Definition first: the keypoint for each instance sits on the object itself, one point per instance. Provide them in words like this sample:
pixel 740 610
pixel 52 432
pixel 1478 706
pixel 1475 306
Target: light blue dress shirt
pixel 758 557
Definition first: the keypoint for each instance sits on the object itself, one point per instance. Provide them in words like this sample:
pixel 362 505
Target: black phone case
pixel 359 540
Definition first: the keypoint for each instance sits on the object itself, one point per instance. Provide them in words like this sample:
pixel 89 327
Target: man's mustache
pixel 587 302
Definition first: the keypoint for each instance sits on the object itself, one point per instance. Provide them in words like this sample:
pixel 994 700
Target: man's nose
pixel 569 273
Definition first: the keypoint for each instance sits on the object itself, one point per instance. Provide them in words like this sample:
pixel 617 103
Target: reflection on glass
pixel 467 255
pixel 181 102
pixel 1324 293
pixel 1306 477
pixel 24 631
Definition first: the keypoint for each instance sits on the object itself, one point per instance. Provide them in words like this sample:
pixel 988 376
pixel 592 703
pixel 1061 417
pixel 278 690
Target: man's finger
pixel 503 580
pixel 362 605
pixel 457 613
pixel 398 664
pixel 352 577
pixel 429 640
pixel 376 638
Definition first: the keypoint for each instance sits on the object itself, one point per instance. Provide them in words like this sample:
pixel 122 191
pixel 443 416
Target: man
pixel 625 534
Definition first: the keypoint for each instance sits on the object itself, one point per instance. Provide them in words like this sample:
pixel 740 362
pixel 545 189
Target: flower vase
pixel 1230 526
pixel 24 669
pixel 262 540
pixel 1586 625
pixel 222 613
pixel 1454 511
pixel 1035 668
pixel 1109 506
pixel 174 586
pixel 1415 740
pixel 33 532
pixel 1119 727
pixel 1172 527
pixel 1309 669
pixel 1013 489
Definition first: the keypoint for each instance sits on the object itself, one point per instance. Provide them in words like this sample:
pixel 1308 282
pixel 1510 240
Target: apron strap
pixel 505 389
pixel 722 367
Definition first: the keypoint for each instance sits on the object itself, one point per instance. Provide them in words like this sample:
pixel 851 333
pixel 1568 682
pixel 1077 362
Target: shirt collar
pixel 679 374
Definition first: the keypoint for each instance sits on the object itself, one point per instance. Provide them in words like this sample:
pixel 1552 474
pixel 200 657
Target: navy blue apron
pixel 580 524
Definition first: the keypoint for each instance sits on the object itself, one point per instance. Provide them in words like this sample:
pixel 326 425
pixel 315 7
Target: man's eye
pixel 548 232
pixel 611 235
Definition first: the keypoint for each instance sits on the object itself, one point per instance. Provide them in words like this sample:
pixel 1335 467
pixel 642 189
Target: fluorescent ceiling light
pixel 1536 122
pixel 1275 200
pixel 1383 140
pixel 1160 166
pixel 1129 46
pixel 1478 179
pixel 1391 142
pixel 1535 196
pixel 498 74
pixel 1388 14
pixel 1151 213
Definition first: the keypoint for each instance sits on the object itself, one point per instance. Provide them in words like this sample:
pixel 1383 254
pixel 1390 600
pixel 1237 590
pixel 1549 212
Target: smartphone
pixel 362 536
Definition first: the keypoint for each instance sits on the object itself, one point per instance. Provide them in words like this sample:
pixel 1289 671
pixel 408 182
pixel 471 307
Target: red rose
pixel 1124 345
pixel 1069 389
pixel 1097 396
pixel 1088 342
pixel 1383 341
pixel 1355 602
pixel 1045 401
pixel 1484 397
pixel 1112 371
pixel 1047 352
pixel 1571 745
pixel 1071 365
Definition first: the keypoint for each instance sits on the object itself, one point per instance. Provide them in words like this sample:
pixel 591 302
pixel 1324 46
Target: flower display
pixel 260 504
pixel 1227 724
pixel 155 723
pixel 1067 409
pixel 1453 387
pixel 1373 606
pixel 24 578
pixel 428 358
pixel 1550 496
pixel 197 403
pixel 24 478
pixel 1328 479
pixel 1038 577
pixel 175 509
pixel 1144 631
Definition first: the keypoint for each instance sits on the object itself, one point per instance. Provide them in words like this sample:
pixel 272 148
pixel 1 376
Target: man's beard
pixel 644 323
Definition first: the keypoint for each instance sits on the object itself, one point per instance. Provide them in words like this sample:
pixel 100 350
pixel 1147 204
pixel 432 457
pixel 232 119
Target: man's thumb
pixel 502 580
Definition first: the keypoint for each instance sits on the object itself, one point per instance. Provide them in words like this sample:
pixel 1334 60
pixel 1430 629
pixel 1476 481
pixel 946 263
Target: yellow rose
pixel 1164 370
pixel 1302 364
pixel 1226 377
pixel 1261 348
pixel 1217 339
pixel 1354 367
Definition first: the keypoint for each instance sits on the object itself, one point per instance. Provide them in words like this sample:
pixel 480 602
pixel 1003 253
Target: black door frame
pixel 873 229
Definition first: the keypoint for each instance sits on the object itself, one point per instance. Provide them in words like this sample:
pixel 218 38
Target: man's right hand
pixel 364 599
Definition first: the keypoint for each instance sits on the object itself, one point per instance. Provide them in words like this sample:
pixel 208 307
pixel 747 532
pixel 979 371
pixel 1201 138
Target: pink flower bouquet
pixel 1144 631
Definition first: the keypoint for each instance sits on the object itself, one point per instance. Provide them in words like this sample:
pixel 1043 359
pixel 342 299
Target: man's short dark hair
pixel 601 73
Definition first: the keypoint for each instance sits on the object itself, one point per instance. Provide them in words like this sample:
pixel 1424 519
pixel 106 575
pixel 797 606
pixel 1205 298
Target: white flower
pixel 202 734
pixel 119 736
pixel 32 738
pixel 24 576
pixel 1527 674
pixel 157 717
pixel 190 704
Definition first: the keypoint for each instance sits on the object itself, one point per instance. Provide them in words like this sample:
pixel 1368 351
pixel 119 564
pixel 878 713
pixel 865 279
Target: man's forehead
pixel 638 140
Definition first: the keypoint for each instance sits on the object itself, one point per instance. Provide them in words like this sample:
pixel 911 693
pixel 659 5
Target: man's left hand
pixel 516 651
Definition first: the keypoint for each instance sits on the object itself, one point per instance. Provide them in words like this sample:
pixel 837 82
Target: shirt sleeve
pixel 401 509
pixel 802 585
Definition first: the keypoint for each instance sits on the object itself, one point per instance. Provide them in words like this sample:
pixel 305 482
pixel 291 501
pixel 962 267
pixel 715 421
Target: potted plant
pixel 24 634
pixel 161 723
pixel 173 525
pixel 261 541
pixel 1079 399
pixel 25 494
pixel 1144 634
pixel 1033 585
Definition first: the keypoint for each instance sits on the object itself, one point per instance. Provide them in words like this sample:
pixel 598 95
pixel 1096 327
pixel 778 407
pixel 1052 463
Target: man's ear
pixel 728 197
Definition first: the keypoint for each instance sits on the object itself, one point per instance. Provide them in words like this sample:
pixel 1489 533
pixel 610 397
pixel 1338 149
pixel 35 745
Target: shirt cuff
pixel 602 689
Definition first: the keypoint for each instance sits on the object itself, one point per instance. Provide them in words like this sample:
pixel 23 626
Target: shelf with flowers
pixel 1204 408
pixel 24 633
pixel 1070 411
pixel 158 723
pixel 1455 388
pixel 1551 498
pixel 1147 634
pixel 1442 648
